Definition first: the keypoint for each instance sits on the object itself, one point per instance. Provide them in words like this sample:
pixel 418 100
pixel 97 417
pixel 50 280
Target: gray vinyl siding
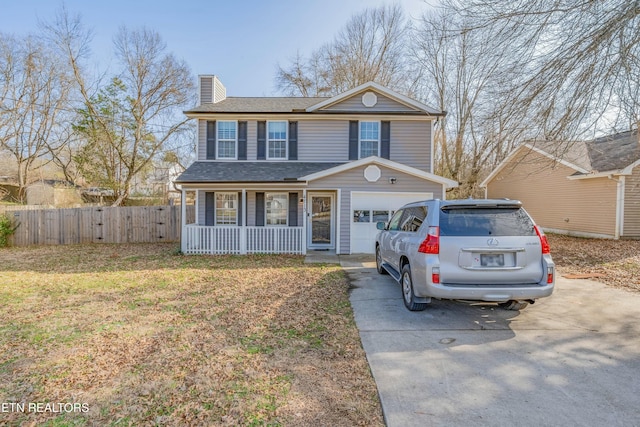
pixel 202 140
pixel 251 206
pixel 328 141
pixel 200 214
pixel 220 92
pixel 252 140
pixel 323 140
pixel 206 90
pixel 411 144
pixel 353 180
pixel 631 228
pixel 354 103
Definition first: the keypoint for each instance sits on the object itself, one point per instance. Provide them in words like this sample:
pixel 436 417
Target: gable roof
pixel 299 104
pixel 612 154
pixel 380 89
pixel 374 160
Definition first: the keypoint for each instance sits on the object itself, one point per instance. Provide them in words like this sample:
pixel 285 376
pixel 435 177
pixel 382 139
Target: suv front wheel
pixel 407 291
pixel 379 266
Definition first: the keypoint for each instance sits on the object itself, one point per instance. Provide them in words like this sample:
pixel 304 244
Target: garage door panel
pixel 369 208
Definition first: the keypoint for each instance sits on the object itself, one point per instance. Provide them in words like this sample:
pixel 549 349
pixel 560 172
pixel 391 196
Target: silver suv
pixel 483 250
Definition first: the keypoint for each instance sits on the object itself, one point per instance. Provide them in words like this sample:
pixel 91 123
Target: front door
pixel 321 217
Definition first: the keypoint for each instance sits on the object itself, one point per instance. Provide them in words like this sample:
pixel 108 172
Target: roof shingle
pixel 228 172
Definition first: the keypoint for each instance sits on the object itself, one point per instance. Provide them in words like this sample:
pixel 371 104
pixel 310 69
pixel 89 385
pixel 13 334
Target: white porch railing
pixel 199 239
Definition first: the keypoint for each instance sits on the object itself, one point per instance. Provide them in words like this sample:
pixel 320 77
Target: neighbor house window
pixel 276 208
pixel 227 139
pixel 226 208
pixel 369 139
pixel 276 140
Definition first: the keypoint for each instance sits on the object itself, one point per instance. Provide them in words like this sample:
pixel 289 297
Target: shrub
pixel 7 228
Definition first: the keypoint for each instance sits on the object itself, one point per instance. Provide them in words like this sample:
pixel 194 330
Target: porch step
pixel 321 257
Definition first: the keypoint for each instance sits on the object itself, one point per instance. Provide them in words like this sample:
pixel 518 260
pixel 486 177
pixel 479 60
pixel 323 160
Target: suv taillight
pixel 546 249
pixel 431 245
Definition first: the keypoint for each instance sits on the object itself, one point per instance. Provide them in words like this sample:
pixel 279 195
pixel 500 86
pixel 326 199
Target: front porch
pixel 241 240
pixel 259 219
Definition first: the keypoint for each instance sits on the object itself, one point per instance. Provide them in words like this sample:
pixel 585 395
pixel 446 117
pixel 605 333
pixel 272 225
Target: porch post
pixel 243 228
pixel 337 217
pixel 183 221
pixel 304 221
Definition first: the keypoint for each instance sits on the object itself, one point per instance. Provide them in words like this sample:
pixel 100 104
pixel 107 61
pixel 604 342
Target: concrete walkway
pixel 572 359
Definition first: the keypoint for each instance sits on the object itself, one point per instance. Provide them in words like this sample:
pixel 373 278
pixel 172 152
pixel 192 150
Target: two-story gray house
pixel 294 174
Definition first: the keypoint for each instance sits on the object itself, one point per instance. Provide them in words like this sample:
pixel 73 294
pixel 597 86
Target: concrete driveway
pixel 572 359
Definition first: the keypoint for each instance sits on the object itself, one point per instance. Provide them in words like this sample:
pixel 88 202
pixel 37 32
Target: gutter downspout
pixel 620 183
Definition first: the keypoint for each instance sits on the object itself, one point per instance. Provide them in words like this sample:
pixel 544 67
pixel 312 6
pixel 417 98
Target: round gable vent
pixel 369 99
pixel 372 173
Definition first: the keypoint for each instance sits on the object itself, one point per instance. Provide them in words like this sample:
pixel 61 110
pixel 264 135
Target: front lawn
pixel 139 335
pixel 615 262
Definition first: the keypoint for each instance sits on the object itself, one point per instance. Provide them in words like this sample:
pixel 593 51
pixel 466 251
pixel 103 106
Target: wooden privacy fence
pixel 131 224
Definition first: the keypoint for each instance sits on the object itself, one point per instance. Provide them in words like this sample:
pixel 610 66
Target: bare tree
pixel 371 47
pixel 584 59
pixel 471 75
pixel 34 92
pixel 138 113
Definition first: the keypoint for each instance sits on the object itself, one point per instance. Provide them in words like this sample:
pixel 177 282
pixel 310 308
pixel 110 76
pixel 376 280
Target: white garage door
pixel 368 208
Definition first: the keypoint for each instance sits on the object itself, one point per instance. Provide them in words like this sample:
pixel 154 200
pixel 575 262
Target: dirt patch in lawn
pixel 614 262
pixel 140 335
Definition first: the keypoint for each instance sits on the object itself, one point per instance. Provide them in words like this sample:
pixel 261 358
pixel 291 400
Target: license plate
pixel 492 260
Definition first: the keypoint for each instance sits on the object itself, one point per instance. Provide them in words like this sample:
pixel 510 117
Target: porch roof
pixel 254 172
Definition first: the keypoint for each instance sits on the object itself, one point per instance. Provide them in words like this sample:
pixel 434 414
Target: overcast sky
pixel 241 41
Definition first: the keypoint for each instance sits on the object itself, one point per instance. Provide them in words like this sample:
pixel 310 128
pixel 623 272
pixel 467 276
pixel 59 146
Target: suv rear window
pixel 485 222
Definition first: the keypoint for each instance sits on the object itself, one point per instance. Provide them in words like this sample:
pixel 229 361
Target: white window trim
pixel 286 140
pixel 286 210
pixel 215 208
pixel 218 141
pixel 360 136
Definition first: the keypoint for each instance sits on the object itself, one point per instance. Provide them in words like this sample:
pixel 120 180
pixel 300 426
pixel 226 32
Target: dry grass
pixel 144 336
pixel 617 260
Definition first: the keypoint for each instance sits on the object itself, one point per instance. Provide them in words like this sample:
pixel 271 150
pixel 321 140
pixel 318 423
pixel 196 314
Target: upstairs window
pixel 276 140
pixel 227 139
pixel 369 139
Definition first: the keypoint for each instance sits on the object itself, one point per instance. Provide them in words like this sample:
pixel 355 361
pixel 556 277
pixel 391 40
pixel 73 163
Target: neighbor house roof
pixel 612 154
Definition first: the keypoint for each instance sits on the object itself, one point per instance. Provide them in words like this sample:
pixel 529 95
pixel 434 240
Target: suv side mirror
pixel 381 225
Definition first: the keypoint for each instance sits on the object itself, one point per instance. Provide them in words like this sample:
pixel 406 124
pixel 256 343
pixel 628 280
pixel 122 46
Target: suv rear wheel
pixel 407 291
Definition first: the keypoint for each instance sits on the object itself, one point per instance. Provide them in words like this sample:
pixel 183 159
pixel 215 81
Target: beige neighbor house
pixel 589 189
pixel 295 174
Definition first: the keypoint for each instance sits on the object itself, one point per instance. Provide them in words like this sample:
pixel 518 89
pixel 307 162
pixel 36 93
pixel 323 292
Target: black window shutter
pixel 262 140
pixel 240 215
pixel 210 208
pixel 385 139
pixel 293 140
pixel 353 140
pixel 259 209
pixel 293 209
pixel 211 140
pixel 242 140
